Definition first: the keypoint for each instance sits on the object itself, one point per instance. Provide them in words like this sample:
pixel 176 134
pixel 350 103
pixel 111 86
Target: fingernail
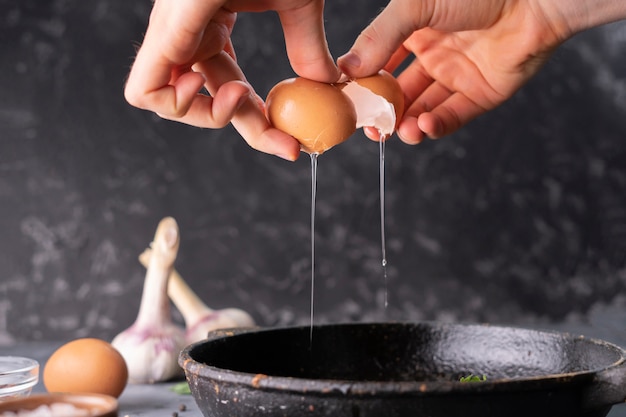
pixel 349 60
pixel 204 78
pixel 288 157
pixel 288 153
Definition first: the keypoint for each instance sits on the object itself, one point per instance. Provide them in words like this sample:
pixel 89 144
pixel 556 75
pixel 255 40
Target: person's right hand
pixel 187 46
pixel 468 56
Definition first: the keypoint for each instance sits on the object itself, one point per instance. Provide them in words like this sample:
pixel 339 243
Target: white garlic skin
pixel 151 356
pixel 218 319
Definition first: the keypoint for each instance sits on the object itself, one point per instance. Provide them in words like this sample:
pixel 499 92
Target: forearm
pixel 579 15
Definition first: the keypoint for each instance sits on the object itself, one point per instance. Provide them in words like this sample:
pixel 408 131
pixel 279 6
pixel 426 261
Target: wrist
pixel 572 17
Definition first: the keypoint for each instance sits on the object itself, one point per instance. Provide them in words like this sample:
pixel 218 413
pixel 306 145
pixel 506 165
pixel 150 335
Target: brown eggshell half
pixel 385 85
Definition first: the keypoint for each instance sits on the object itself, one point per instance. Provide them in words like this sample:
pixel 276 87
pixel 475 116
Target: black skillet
pixel 403 369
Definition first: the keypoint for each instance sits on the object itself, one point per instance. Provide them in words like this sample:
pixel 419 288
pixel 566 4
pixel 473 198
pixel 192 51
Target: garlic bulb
pixel 152 344
pixel 199 318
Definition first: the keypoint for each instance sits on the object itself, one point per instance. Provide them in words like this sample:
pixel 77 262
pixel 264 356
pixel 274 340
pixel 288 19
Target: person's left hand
pixel 463 62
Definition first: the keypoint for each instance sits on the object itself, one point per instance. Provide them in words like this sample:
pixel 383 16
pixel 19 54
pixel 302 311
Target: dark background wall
pixel 518 218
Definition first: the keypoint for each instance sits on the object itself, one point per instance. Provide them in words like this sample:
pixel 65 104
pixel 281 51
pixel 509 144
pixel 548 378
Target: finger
pixel 413 81
pixel 449 116
pixel 381 39
pixel 408 129
pixel 175 31
pixel 419 94
pixel 251 123
pixel 305 39
pixel 230 50
pixel 397 58
pixel 175 91
pixel 216 36
pixel 217 111
pixel 249 119
pixel 373 133
pixel 409 132
pixel 177 27
pixel 429 99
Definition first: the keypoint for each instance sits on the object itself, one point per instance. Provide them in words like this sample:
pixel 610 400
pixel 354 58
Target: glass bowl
pixel 18 376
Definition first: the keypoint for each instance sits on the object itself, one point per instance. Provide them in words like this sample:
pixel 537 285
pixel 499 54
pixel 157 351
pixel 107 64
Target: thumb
pixel 381 39
pixel 306 42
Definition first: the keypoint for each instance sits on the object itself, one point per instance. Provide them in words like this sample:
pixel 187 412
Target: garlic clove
pixel 199 318
pixel 151 356
pixel 152 344
pixel 218 319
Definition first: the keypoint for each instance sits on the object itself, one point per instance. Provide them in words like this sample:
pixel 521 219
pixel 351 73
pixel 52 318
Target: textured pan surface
pixel 403 369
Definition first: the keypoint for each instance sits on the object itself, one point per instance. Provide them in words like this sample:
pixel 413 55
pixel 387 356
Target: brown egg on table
pixel 86 365
pixel 321 115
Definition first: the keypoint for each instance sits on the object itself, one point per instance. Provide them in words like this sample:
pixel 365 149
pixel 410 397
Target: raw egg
pixel 321 115
pixel 86 365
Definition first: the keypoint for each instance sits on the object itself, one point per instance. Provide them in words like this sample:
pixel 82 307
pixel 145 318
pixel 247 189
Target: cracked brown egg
pixel 321 115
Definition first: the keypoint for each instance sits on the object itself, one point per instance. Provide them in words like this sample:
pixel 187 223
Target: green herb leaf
pixel 182 388
pixel 473 378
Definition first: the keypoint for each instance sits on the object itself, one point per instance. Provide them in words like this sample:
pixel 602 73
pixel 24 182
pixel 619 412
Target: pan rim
pixel 333 387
